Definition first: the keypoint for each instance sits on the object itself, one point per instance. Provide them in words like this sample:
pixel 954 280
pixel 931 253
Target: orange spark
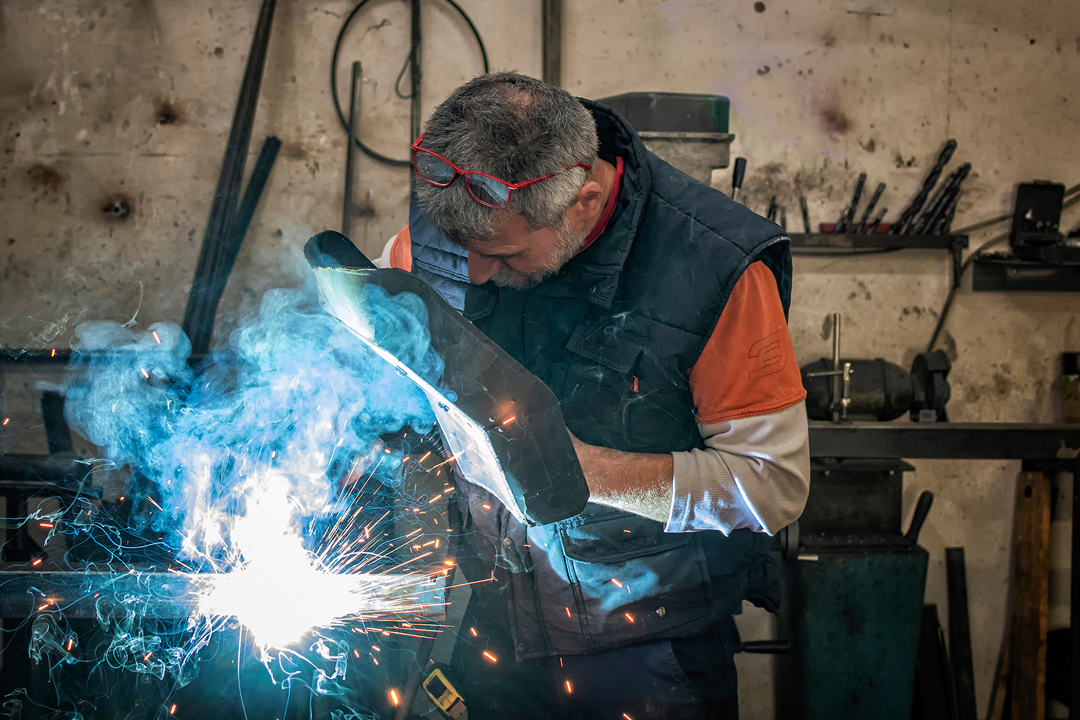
pixel 52 353
pixel 145 374
pixel 568 688
pixel 71 643
pixel 7 420
pixel 158 341
pixel 489 656
pixel 509 420
pixel 155 504
pixel 45 525
pixel 629 617
pixel 568 612
pixel 473 631
pixel 147 656
pixel 486 506
pixel 617 583
pixel 426 456
pixel 627 716
pixel 172 710
pixel 36 562
pixel 393 696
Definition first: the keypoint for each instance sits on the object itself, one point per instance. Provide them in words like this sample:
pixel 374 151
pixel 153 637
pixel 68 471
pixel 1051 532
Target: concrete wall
pixel 131 102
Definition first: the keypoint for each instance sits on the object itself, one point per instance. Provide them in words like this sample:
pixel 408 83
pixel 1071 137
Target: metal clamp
pixel 841 389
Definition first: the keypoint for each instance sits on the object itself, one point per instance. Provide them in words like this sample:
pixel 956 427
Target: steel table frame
pixel 1044 446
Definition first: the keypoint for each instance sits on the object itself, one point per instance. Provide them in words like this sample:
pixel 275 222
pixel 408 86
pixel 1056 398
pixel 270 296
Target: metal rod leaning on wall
pixel 414 73
pixel 1074 598
pixel 260 174
pixel 198 318
pixel 229 248
pixel 960 634
pixel 551 41
pixel 350 151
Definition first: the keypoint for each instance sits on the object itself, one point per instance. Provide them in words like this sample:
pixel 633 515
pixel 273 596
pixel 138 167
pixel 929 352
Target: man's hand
pixel 638 483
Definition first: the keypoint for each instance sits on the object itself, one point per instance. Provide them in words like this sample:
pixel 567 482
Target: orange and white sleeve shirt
pixel 754 471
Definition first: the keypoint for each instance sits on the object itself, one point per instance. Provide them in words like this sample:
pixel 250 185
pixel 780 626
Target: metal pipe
pixel 199 316
pixel 551 41
pixel 350 152
pixel 414 73
pixel 1074 601
pixel 836 380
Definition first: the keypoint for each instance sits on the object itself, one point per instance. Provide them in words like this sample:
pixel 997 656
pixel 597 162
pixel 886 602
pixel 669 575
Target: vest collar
pixel 594 273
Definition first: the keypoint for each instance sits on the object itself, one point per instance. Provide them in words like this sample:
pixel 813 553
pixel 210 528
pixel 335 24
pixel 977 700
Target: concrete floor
pixel 131 102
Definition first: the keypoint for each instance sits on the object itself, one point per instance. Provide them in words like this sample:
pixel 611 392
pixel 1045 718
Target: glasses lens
pixel 489 190
pixel 433 169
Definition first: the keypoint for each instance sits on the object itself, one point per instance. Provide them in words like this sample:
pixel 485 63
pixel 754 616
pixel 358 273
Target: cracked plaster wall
pixel 127 104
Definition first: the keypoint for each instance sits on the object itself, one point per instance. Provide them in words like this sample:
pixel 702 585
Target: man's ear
pixel 587 205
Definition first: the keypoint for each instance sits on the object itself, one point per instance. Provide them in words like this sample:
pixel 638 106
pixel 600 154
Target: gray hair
pixel 515 128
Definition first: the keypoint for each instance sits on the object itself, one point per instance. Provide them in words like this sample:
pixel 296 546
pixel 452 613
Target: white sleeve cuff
pixel 753 473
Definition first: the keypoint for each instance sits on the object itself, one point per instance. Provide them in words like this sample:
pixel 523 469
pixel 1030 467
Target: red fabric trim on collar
pixel 613 198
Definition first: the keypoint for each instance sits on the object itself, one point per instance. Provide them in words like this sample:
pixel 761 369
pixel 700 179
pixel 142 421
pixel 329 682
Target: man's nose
pixel 482 268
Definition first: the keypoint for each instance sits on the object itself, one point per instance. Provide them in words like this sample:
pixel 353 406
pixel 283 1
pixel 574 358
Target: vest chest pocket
pixel 599 381
pixel 626 568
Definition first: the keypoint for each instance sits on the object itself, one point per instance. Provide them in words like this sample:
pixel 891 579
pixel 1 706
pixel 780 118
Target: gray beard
pixel 567 245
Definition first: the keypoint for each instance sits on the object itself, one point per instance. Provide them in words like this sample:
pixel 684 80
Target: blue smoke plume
pixel 278 418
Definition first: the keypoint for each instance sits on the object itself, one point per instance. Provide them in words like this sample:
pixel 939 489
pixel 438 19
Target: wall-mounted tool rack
pixel 1000 272
pixel 879 242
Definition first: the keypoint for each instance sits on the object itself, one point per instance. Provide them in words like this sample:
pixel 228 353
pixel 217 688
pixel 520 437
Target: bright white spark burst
pixel 279 590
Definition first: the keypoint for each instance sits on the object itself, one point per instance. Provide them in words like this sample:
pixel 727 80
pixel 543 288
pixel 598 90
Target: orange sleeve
pixel 401 251
pixel 748 366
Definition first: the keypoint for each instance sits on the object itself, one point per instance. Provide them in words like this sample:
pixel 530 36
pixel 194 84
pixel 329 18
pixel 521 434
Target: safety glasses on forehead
pixel 484 189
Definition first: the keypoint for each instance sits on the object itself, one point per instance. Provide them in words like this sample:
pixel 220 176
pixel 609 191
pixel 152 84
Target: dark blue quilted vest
pixel 615 334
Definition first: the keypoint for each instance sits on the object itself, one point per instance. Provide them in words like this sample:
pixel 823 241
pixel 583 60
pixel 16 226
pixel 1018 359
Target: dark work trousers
pixel 686 678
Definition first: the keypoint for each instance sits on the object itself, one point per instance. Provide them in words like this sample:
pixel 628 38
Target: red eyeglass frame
pixel 511 187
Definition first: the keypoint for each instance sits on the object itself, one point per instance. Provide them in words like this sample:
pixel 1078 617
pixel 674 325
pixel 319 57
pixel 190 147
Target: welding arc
pixel 371 153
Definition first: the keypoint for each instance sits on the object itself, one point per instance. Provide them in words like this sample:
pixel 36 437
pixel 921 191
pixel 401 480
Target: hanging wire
pixel 374 154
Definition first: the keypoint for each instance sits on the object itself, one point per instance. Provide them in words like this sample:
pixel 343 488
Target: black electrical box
pixel 1036 216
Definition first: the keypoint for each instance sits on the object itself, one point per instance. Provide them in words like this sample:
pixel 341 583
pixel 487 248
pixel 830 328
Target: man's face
pixel 517 257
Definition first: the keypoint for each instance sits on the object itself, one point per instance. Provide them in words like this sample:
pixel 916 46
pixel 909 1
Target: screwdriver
pixel 737 175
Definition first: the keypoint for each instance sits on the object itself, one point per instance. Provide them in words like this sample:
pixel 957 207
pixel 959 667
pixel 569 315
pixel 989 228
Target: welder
pixel 656 310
